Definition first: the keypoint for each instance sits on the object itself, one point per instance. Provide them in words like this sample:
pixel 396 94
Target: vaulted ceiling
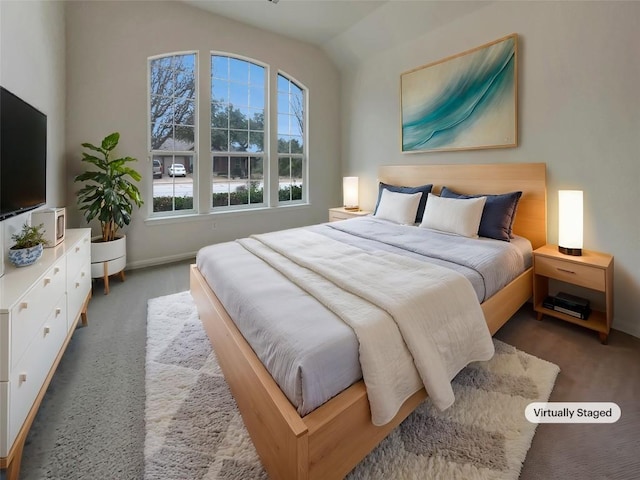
pixel 346 29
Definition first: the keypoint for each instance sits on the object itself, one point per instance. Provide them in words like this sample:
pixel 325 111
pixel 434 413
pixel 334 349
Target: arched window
pixel 238 89
pixel 241 170
pixel 292 164
pixel 173 142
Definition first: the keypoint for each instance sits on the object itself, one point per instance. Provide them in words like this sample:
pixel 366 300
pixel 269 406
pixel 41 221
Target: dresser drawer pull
pixel 77 249
pixel 22 377
pixel 56 270
pixel 47 330
pixel 77 285
pixel 24 306
pixel 566 271
pixel 83 274
pixel 47 280
pixel 58 311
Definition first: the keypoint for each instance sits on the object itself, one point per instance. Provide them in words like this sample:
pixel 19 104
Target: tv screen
pixel 23 156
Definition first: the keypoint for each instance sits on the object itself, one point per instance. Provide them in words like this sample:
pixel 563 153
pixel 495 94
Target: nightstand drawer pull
pixel 566 271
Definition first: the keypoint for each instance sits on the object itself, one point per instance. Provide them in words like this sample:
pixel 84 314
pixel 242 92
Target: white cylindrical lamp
pixel 570 222
pixel 350 193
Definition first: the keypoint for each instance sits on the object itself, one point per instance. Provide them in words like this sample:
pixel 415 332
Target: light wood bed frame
pixel 328 442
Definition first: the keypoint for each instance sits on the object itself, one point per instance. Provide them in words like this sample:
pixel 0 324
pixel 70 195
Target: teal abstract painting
pixel 467 101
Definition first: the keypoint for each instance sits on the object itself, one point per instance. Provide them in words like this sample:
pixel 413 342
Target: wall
pixel 32 66
pixel 579 111
pixel 108 44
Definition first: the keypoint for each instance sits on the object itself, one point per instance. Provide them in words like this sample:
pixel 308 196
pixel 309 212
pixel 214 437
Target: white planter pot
pixel 113 254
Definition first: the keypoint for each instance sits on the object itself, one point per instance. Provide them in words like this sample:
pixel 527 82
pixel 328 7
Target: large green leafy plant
pixel 109 194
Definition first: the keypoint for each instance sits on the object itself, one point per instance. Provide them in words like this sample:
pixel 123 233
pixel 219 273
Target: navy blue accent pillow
pixel 498 214
pixel 424 189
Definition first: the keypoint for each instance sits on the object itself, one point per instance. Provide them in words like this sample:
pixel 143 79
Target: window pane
pixel 283 84
pixel 283 144
pixel 239 70
pixel 239 118
pixel 237 181
pixel 256 75
pixel 185 113
pixel 220 90
pixel 256 120
pixel 172 189
pixel 238 95
pixel 220 67
pixel 283 123
pixel 219 115
pixel 256 142
pixel 296 144
pixel 219 140
pixel 238 140
pixel 256 97
pixel 184 138
pixel 172 102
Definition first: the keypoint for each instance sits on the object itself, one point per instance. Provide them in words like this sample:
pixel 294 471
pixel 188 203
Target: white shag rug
pixel 194 430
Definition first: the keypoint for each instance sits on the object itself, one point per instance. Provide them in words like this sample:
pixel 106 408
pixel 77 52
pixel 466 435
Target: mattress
pixel 309 351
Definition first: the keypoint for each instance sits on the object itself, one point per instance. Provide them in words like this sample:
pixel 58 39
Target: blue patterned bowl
pixel 25 256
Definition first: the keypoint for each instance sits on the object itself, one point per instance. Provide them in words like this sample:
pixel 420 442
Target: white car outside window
pixel 177 170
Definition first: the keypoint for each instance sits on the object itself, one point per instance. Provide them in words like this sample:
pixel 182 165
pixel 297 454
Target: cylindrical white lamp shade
pixel 570 222
pixel 350 193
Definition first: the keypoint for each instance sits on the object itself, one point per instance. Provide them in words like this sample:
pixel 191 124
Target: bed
pixel 333 438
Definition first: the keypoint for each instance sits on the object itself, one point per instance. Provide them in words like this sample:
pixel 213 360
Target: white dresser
pixel 39 309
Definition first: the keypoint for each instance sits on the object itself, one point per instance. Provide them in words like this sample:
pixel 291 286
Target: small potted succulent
pixel 29 245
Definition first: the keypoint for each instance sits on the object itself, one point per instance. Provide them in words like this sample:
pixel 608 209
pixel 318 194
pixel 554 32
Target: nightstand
pixel 592 270
pixel 340 213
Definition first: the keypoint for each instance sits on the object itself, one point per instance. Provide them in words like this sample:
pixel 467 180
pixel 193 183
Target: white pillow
pixel 398 207
pixel 454 215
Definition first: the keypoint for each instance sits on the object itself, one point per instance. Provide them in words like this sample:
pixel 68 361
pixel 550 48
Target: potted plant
pixel 29 245
pixel 108 196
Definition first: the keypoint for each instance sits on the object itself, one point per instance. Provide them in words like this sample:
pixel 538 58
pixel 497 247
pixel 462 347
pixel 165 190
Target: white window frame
pixel 305 137
pixel 194 152
pixel 265 151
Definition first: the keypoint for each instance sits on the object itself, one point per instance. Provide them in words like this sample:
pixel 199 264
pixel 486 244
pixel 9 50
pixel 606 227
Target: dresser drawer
pixel 78 256
pixel 27 378
pixel 582 275
pixel 77 292
pixel 28 316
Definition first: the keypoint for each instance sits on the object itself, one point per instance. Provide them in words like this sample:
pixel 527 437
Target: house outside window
pixel 173 134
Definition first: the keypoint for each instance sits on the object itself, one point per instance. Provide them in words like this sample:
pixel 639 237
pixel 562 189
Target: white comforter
pixel 417 323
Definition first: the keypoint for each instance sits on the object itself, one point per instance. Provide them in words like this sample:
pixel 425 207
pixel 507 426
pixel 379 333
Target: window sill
pixel 203 217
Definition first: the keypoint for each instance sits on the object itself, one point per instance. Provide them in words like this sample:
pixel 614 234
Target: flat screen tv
pixel 23 156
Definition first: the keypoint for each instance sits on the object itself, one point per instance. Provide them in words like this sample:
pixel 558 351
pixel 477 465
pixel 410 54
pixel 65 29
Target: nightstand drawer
pixel 582 275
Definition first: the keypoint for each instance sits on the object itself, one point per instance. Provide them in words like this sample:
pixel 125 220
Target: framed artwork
pixel 463 102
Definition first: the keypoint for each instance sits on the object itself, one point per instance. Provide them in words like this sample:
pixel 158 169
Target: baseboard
pixel 152 262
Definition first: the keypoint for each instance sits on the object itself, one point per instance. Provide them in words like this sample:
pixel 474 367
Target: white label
pixel 572 412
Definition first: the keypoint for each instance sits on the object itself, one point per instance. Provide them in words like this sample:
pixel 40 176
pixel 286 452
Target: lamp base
pixel 352 209
pixel 576 252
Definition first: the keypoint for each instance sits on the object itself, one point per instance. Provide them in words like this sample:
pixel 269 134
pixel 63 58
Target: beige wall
pixel 107 48
pixel 32 66
pixel 579 112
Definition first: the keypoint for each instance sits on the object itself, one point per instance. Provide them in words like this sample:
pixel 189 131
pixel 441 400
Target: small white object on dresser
pixel 40 306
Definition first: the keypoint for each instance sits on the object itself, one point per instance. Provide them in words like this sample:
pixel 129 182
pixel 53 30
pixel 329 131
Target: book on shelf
pixel 570 307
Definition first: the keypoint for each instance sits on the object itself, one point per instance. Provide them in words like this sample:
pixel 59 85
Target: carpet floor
pixel 194 430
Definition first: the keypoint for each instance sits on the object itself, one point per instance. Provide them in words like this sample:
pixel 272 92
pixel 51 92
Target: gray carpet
pixel 194 429
pixel 91 422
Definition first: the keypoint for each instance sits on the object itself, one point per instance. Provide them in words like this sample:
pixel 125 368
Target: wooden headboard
pixel 530 178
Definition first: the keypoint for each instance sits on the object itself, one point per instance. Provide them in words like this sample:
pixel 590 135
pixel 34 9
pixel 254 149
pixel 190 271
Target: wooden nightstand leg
pixel 604 337
pixel 105 265
pixel 539 316
pixel 122 275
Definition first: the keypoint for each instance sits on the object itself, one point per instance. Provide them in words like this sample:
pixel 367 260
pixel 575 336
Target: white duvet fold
pixel 417 323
